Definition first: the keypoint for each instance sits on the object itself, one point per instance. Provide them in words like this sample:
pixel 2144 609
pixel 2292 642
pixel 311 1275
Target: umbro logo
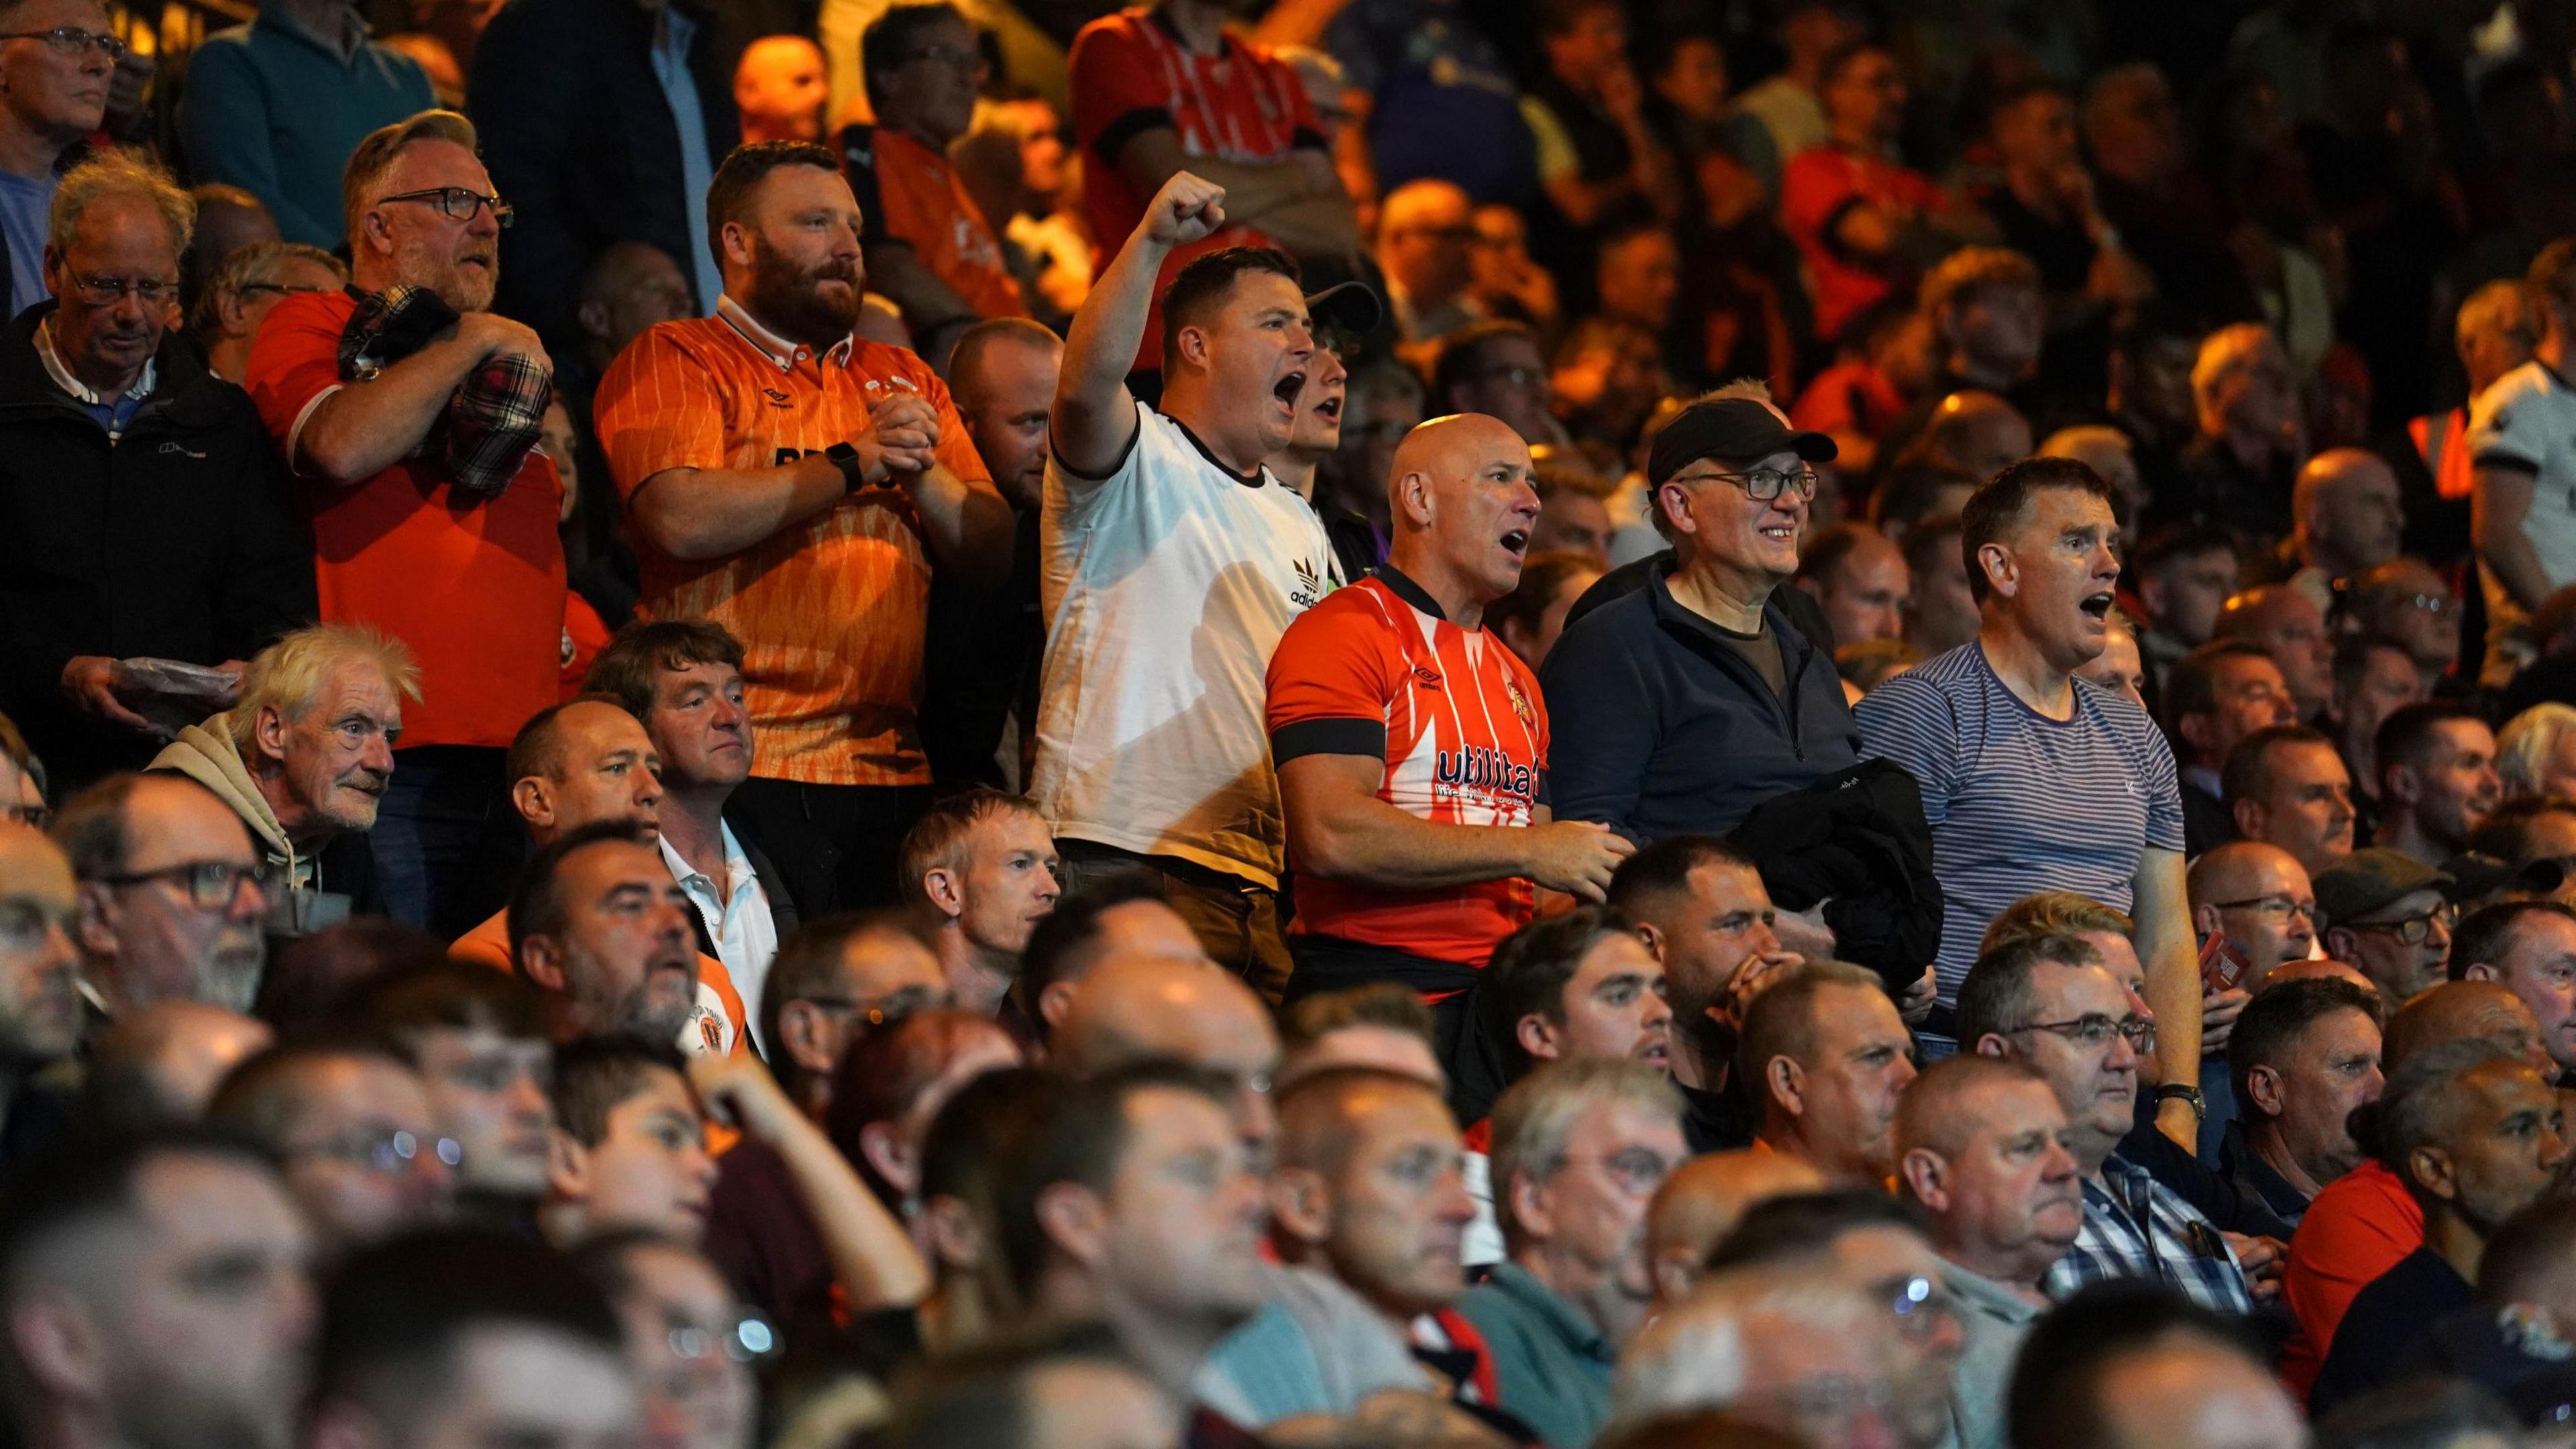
pixel 776 398
pixel 1426 676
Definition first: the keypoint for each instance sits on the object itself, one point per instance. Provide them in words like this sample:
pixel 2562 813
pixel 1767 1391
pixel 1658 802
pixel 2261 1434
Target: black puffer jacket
pixel 1857 840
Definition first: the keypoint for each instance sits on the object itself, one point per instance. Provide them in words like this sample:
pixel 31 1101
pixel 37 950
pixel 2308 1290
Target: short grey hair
pixel 2525 743
pixel 1534 1120
pixel 112 172
pixel 259 265
pixel 1696 1356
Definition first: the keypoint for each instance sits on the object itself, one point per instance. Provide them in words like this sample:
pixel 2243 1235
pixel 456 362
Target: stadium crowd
pixel 998 724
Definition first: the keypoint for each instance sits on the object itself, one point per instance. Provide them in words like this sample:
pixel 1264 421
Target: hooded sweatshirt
pixel 206 754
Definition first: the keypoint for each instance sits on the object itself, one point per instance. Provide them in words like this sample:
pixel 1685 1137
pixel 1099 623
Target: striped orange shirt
pixel 831 611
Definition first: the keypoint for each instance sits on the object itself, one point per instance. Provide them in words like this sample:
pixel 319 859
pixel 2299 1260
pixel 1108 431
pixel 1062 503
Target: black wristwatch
pixel 854 473
pixel 2175 1092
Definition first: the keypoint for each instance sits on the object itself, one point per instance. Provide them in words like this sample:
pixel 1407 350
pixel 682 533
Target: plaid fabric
pixel 498 412
pixel 2177 1246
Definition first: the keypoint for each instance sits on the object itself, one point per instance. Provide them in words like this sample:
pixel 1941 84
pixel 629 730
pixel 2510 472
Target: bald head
pixel 1702 1201
pixel 2464 1011
pixel 1978 433
pixel 2347 511
pixel 2105 450
pixel 1321 1117
pixel 2320 968
pixel 2230 871
pixel 1130 1008
pixel 1463 503
pixel 1423 232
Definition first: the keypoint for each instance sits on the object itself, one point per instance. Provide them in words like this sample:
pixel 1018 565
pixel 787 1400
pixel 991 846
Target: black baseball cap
pixel 1345 307
pixel 1734 429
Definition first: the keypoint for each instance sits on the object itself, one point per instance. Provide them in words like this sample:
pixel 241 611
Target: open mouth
pixel 1516 542
pixel 1659 1054
pixel 1287 388
pixel 2097 605
pixel 1330 409
pixel 1779 532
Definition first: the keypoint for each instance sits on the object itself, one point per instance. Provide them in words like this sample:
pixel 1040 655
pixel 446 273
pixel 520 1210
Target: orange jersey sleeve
pixel 658 407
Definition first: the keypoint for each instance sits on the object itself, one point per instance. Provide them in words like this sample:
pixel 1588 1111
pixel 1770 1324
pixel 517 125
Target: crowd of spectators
pixel 1005 723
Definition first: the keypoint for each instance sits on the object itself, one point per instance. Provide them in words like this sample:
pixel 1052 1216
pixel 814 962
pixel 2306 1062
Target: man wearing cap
pixel 2386 913
pixel 1681 706
pixel 1413 751
pixel 1171 564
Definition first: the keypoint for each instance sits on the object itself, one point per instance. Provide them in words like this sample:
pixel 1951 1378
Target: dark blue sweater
pixel 1657 726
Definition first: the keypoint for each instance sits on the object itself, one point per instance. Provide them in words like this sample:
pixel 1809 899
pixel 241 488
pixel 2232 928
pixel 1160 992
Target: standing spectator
pixel 54 85
pixel 2493 333
pixel 2524 527
pixel 147 524
pixel 979 872
pixel 2215 696
pixel 619 148
pixel 779 88
pixel 2286 786
pixel 2437 780
pixel 1162 89
pixel 1861 218
pixel 171 903
pixel 1988 323
pixel 2373 679
pixel 2238 470
pixel 1164 539
pixel 1596 154
pixel 276 106
pixel 2303 1056
pixel 1859 579
pixel 1413 863
pixel 2406 602
pixel 818 564
pixel 2346 519
pixel 468 573
pixel 1826 1056
pixel 1782 116
pixel 1425 245
pixel 928 247
pixel 2279 619
pixel 245 287
pixel 2386 913
pixel 2000 735
pixel 1497 368
pixel 1435 98
pixel 2045 210
pixel 1981 1146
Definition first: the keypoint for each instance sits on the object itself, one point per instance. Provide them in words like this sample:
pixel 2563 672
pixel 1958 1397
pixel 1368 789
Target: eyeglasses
pixel 748 1339
pixel 34 817
pixel 885 1010
pixel 280 288
pixel 72 40
pixel 2093 1031
pixel 211 884
pixel 1921 1306
pixel 2281 906
pixel 456 203
pixel 1763 484
pixel 2412 930
pixel 108 291
pixel 2433 604
pixel 381 1149
pixel 950 56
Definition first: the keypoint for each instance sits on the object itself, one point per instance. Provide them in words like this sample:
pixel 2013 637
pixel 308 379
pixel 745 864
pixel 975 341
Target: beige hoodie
pixel 206 754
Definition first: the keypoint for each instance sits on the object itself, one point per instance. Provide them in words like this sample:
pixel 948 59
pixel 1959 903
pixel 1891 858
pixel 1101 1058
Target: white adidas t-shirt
pixel 2528 419
pixel 1166 587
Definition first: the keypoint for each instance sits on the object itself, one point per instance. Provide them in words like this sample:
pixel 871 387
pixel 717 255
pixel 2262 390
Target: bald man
pixel 780 87
pixel 1702 1200
pixel 2257 900
pixel 1129 1008
pixel 579 763
pixel 40 1005
pixel 2346 518
pixel 1426 235
pixel 2405 601
pixel 1977 433
pixel 1410 745
pixel 2281 621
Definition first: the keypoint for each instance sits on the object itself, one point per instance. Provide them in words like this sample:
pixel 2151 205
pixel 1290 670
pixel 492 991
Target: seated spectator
pixel 229 220
pixel 2048 1001
pixel 2437 780
pixel 1604 381
pixel 1859 579
pixel 779 89
pixel 41 1013
pixel 2303 1056
pixel 2286 787
pixel 1112 917
pixel 2529 948
pixel 316 981
pixel 156 1289
pixel 188 553
pixel 2133 1365
pixel 607 939
pixel 1970 432
pixel 1703 1201
pixel 481 1044
pixel 682 679
pixel 1380 1027
pixel 629 1149
pixel 1061 1389
pixel 2183 577
pixel 1941 610
pixel 1856 213
pixel 488 638
pixel 1827 1057
pixel 2405 602
pixel 1506 283
pixel 2536 753
pixel 2107 451
pixel 352 1129
pixel 2498 1376
pixel 158 1067
pixel 980 873
pixel 2214 697
pixel 276 106
pixel 1572 518
pixel 2278 619
pixel 1129 1009
pixel 1988 322
pixel 1981 1147
pixel 2346 519
pixel 1531 618
pixel 2120 667
pixel 2238 470
pixel 1579 986
pixel 2253 907
pixel 2472 1132
pixel 928 247
pixel 2373 679
pixel 1777 1353
pixel 1781 116
pixel 58 101
pixel 1426 245
pixel 470 1333
pixel 834 980
pixel 1497 367
pixel 305 753
pixel 2044 209
pixel 2386 912
pixel 2534 838
pixel 688 1342
pixel 244 287
pixel 1577 1283
pixel 1734 482
pixel 171 901
pixel 1637 280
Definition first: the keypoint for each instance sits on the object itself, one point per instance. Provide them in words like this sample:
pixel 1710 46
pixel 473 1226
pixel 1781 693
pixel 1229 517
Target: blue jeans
pixel 446 841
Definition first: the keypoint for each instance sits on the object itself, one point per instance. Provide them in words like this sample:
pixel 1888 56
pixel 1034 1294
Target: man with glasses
pixel 929 247
pixel 151 547
pixel 1424 235
pixel 2385 912
pixel 2253 908
pixel 2048 1001
pixel 276 106
pixel 690 1340
pixel 469 575
pixel 2529 947
pixel 834 980
pixel 352 1129
pixel 40 1004
pixel 1495 367
pixel 2034 780
pixel 172 894
pixel 2214 697
pixel 245 287
pixel 56 61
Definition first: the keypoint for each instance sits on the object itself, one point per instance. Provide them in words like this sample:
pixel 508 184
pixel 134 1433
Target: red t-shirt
pixel 1376 670
pixel 2357 1228
pixel 475 586
pixel 1131 73
pixel 1817 190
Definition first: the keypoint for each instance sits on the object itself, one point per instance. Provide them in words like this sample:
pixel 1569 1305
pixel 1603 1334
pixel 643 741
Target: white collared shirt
pixel 776 348
pixel 80 391
pixel 744 933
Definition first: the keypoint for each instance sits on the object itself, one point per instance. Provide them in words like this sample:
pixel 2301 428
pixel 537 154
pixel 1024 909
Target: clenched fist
pixel 1187 209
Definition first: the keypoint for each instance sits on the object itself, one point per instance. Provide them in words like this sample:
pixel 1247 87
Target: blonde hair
pixel 111 172
pixel 2524 744
pixel 375 157
pixel 2223 354
pixel 1534 1120
pixel 2053 913
pixel 288 675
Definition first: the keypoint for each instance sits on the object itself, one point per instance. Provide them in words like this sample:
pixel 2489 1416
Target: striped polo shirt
pixel 2018 802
